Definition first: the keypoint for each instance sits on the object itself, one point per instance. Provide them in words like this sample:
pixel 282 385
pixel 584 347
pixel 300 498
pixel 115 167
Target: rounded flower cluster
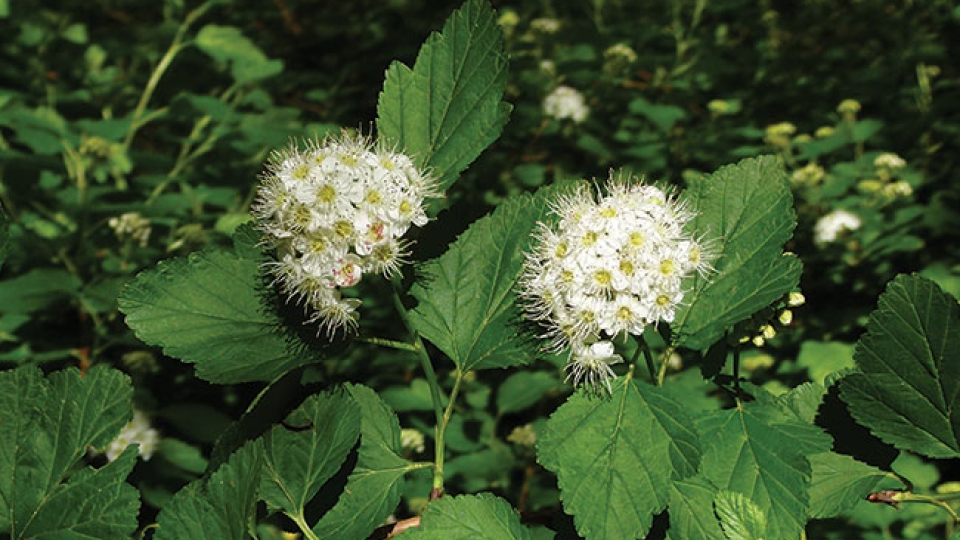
pixel 333 212
pixel 832 226
pixel 612 265
pixel 137 431
pixel 566 102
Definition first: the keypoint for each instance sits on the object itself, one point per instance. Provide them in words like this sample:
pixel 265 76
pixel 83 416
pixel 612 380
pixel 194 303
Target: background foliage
pixel 167 110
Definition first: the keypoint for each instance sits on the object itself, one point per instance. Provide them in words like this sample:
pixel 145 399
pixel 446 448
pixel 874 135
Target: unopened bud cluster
pixel 612 265
pixel 333 212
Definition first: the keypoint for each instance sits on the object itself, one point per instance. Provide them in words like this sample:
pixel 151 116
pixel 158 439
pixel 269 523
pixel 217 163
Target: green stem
pixel 436 394
pixel 664 363
pixel 389 343
pixel 939 499
pixel 175 47
pixel 736 370
pixel 304 528
pixel 648 356
pixel 441 433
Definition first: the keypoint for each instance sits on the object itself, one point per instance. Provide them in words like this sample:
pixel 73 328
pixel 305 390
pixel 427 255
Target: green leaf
pixel 821 358
pixel 46 426
pixel 300 455
pixel 469 517
pixel 908 393
pixel 616 457
pixel 228 44
pixel 447 109
pixel 747 209
pixel 4 237
pixel 523 389
pixel 221 507
pixel 839 482
pixel 37 289
pixel 740 518
pixel 803 400
pixel 206 310
pixel 760 451
pixel 93 504
pixel 467 306
pixel 691 510
pixel 374 487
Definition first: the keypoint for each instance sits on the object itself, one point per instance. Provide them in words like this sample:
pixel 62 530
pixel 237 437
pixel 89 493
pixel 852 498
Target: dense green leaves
pixel 908 393
pixel 307 450
pixel 748 211
pixel 222 506
pixel 469 517
pixel 447 109
pixel 761 452
pixel 206 310
pixel 467 304
pixel 374 487
pixel 616 457
pixel 46 426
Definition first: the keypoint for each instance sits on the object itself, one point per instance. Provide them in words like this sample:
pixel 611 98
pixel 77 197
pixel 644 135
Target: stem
pixel 648 356
pixel 663 365
pixel 304 528
pixel 389 343
pixel 441 432
pixel 175 46
pixel 938 499
pixel 435 392
pixel 736 370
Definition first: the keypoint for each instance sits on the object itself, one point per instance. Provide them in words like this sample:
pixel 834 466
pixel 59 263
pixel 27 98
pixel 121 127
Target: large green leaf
pixel 469 517
pixel 46 426
pixel 467 305
pixel 301 455
pixel 207 310
pixel 908 393
pixel 839 482
pixel 747 209
pixel 374 487
pixel 222 506
pixel 616 457
pixel 761 452
pixel 448 108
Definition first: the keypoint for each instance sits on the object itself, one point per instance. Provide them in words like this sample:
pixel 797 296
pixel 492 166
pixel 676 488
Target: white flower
pixel 565 102
pixel 412 439
pixel 137 431
pixel 889 160
pixel 131 226
pixel 545 25
pixel 333 212
pixel 611 266
pixel 829 227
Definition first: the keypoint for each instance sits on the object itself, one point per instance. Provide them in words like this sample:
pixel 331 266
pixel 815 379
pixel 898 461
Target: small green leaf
pixel 447 109
pixel 300 455
pixel 616 457
pixel 228 44
pixel 523 389
pixel 821 358
pixel 747 209
pixel 691 510
pixel 740 518
pixel 4 237
pixel 206 310
pixel 908 393
pixel 467 303
pixel 803 400
pixel 760 451
pixel 222 506
pixel 374 487
pixel 469 517
pixel 37 289
pixel 839 482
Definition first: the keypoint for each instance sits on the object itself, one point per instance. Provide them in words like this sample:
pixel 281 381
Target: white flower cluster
pixel 333 212
pixel 829 227
pixel 137 431
pixel 889 160
pixel 131 225
pixel 566 102
pixel 613 265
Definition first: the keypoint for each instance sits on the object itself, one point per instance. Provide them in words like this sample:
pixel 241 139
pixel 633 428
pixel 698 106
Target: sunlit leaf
pixel 469 517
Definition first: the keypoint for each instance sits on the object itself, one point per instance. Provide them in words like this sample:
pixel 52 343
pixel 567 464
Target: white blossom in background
pixel 131 226
pixel 137 431
pixel 412 440
pixel 611 266
pixel 566 102
pixel 334 212
pixel 831 226
pixel 889 160
pixel 545 25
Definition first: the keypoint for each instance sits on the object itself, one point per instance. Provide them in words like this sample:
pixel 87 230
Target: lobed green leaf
pixel 616 458
pixel 739 517
pixel 747 209
pixel 469 517
pixel 448 108
pixel 908 391
pixel 839 482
